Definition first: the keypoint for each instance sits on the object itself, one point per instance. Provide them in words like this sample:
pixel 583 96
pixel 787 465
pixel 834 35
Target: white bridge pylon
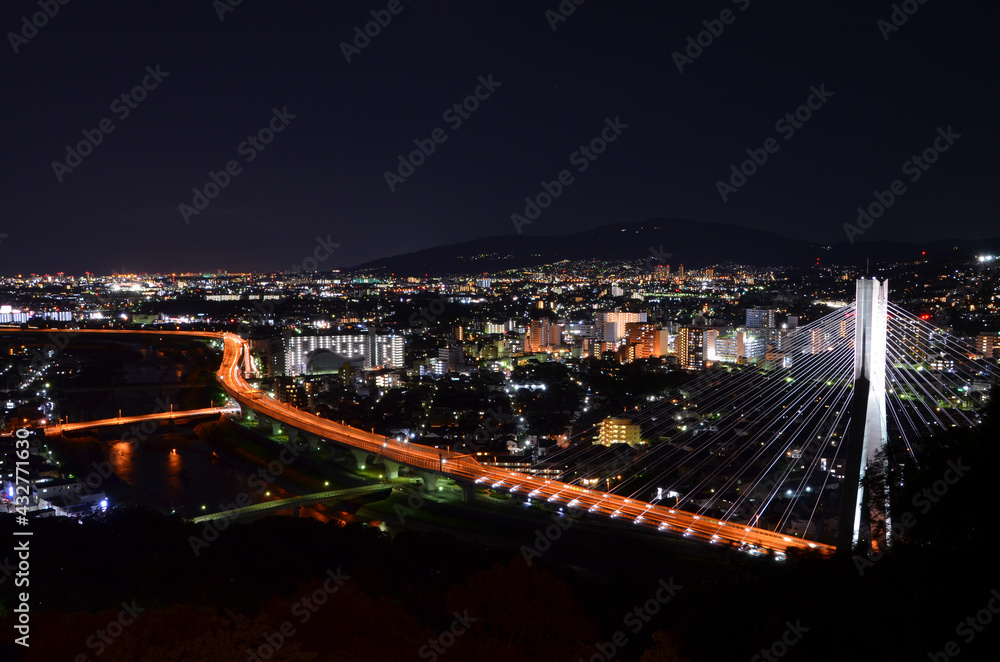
pixel 870 435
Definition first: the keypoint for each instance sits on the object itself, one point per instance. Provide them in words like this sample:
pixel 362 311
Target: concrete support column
pixel 391 469
pixel 468 492
pixel 293 436
pixel 360 456
pixel 429 481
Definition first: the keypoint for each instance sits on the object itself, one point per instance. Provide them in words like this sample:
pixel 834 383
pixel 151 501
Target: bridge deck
pixel 466 468
pixel 291 502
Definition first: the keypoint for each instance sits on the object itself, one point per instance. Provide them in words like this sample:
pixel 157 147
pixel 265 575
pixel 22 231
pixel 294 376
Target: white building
pixel 378 351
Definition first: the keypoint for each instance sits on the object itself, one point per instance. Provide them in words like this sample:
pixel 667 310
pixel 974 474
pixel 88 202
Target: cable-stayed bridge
pixel 783 444
pixel 765 456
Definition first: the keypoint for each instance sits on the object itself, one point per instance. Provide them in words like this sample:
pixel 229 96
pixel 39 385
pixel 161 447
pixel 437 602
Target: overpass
pixel 432 463
pixel 60 428
pixel 291 502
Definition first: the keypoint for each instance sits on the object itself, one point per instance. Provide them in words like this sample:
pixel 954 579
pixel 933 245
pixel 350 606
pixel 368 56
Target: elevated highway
pixel 432 463
pixel 60 428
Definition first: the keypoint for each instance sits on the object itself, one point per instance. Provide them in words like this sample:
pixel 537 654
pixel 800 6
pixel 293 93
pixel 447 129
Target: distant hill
pixel 680 241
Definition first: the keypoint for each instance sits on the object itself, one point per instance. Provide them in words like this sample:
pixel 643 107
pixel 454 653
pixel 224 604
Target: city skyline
pixel 559 330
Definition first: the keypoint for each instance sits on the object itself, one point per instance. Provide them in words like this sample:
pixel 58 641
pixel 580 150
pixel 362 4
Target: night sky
pixel 323 174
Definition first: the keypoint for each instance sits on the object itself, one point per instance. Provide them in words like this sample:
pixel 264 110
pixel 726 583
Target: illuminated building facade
pixel 618 431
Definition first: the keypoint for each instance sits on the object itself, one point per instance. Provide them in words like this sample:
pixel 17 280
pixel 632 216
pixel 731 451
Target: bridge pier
pixel 293 435
pixel 360 456
pixel 429 481
pixel 468 492
pixel 247 413
pixel 275 427
pixel 391 469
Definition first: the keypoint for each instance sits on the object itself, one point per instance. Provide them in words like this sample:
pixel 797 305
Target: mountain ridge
pixel 673 241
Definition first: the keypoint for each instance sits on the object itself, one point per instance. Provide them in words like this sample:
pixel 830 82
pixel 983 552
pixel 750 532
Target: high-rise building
pixel 541 336
pixel 613 324
pixel 760 318
pixel 739 347
pixel 752 347
pixel 710 336
pixel 661 342
pixel 690 345
pixel 640 334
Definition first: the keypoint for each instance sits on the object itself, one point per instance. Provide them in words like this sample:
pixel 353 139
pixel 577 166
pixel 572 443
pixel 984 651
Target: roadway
pixel 291 502
pixel 465 468
pixel 59 428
